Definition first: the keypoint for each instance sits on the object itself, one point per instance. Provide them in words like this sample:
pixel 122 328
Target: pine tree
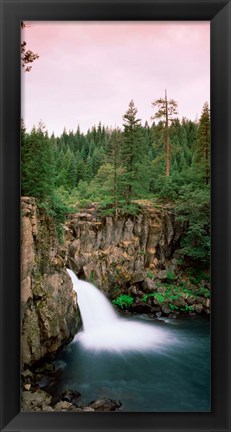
pixel 167 109
pixel 37 164
pixel 113 155
pixel 131 150
pixel 202 144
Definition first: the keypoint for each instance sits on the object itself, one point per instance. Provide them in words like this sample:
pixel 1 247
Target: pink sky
pixel 89 71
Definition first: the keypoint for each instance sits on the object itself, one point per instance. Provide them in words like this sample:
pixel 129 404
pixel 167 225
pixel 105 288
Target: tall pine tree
pixel 167 109
pixel 202 144
pixel 37 164
pixel 131 151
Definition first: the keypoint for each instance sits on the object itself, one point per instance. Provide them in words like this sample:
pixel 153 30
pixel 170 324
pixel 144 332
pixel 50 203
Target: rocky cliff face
pixel 49 315
pixel 115 252
pixel 135 261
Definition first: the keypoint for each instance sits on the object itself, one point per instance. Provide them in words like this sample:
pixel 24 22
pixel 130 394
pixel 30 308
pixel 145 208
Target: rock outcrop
pixel 49 313
pixel 114 252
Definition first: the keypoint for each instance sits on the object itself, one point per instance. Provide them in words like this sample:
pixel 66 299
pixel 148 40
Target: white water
pixel 104 330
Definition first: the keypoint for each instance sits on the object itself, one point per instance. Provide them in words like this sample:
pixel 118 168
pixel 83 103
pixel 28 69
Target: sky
pixel 88 72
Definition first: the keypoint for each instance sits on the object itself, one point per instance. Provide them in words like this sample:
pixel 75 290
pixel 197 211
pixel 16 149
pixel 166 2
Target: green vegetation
pixel 159 297
pixel 171 276
pixel 173 292
pixel 150 275
pixel 123 301
pixel 165 162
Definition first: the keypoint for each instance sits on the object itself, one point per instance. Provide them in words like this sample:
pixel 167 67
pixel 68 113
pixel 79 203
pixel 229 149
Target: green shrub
pixel 170 276
pixel 123 301
pixel 173 307
pixel 160 297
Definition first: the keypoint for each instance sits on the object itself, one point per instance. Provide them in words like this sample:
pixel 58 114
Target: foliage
pixel 27 56
pixel 173 292
pixel 170 276
pixel 123 301
pixel 118 169
pixel 150 275
pixel 159 297
pixel 193 209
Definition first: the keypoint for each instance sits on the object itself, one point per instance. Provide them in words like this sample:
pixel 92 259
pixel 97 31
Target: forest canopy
pixel 167 162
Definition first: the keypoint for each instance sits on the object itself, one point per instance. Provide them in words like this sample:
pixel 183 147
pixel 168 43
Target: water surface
pixel 173 376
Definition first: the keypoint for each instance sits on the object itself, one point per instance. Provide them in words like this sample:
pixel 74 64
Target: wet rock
pixel 156 309
pixel 158 314
pixel 198 308
pixel 105 404
pixel 32 400
pixel 71 396
pixel 166 310
pixel 149 301
pixel 87 409
pixel 62 406
pixel 141 307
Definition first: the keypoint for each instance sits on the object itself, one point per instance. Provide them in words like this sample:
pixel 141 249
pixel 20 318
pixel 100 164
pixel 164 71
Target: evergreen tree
pixel 202 144
pixel 167 109
pixel 131 151
pixel 37 164
pixel 113 154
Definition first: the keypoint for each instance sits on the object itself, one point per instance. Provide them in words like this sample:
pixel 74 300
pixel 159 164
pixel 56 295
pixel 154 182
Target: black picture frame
pixel 219 13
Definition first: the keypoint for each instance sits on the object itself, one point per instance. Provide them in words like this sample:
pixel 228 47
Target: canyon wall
pixel 49 314
pixel 113 252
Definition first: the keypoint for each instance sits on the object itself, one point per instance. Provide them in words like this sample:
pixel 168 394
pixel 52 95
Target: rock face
pixel 49 314
pixel 114 252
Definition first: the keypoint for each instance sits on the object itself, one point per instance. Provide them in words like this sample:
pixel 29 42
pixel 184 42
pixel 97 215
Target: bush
pixel 123 301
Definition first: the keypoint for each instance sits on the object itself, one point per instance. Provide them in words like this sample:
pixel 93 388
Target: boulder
pixel 180 302
pixel 200 300
pixel 198 308
pixel 63 406
pixel 133 290
pixel 190 300
pixel 32 400
pixel 105 404
pixel 161 289
pixel 138 277
pixel 71 396
pixel 149 285
pixel 141 307
pixel 165 309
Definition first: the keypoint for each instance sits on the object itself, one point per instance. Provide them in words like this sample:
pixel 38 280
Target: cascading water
pixel 104 330
pixel 148 365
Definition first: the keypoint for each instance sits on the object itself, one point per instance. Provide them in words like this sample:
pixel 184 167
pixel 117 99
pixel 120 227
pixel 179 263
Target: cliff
pixel 120 251
pixel 49 314
pixel 135 261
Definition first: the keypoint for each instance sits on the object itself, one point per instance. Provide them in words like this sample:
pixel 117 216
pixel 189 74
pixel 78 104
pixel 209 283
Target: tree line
pixel 168 161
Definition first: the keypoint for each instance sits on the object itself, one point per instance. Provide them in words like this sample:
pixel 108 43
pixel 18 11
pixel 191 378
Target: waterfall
pixel 103 329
